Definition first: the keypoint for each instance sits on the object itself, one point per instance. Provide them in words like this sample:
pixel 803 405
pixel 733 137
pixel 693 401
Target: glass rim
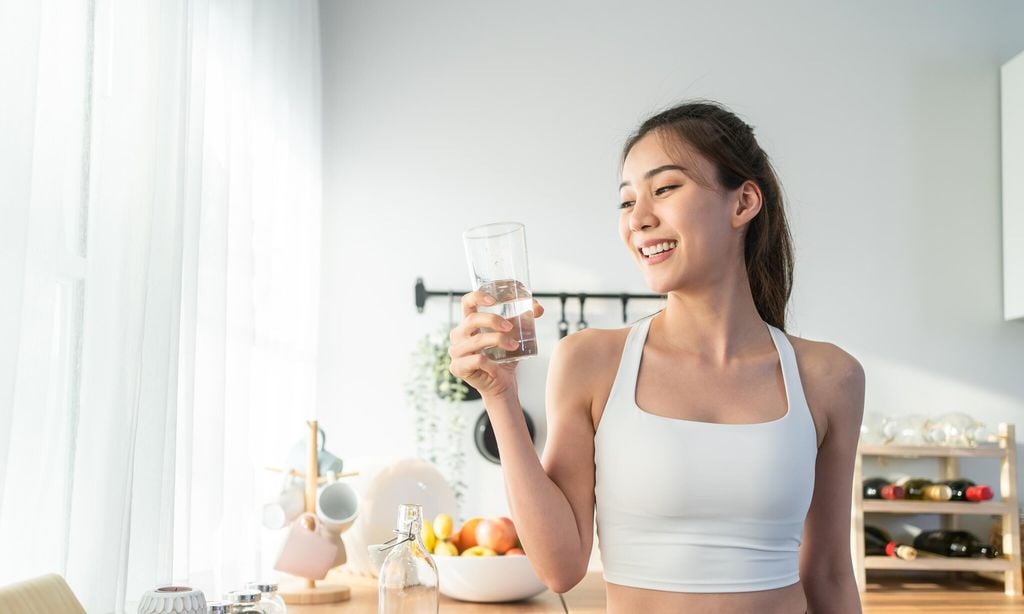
pixel 492 230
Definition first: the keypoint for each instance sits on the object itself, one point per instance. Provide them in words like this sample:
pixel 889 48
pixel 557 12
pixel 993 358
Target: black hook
pixel 582 322
pixel 563 324
pixel 421 295
pixel 625 301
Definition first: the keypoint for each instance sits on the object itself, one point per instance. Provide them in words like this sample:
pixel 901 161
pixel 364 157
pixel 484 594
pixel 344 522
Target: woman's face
pixel 675 219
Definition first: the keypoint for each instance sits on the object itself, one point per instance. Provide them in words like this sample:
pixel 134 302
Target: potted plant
pixel 435 395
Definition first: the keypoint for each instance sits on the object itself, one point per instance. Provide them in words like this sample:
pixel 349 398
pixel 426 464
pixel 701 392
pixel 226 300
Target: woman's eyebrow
pixel 655 171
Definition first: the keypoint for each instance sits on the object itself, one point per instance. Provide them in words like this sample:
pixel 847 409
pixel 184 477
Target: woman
pixel 716 450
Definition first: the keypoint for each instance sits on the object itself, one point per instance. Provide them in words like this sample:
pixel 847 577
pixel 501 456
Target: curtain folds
pixel 160 192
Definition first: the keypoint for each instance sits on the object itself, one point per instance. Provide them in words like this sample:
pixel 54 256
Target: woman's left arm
pixel 826 566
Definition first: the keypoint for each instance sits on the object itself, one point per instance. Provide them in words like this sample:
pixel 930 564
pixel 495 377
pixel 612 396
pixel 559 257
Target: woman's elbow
pixel 564 580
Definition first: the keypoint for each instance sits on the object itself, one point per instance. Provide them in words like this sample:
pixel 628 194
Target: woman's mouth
pixel 658 253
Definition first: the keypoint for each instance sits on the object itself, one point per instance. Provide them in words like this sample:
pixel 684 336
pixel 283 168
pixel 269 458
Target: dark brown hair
pixel 729 144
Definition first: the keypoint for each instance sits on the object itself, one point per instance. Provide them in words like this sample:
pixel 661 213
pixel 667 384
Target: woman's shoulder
pixel 592 349
pixel 823 360
pixel 833 382
pixel 594 340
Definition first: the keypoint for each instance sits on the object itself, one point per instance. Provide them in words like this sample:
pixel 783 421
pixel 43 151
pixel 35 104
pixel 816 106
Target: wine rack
pixel 1003 505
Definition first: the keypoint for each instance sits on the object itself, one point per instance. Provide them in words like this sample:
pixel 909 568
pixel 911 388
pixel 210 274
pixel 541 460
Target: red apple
pixel 514 551
pixel 496 535
pixel 512 528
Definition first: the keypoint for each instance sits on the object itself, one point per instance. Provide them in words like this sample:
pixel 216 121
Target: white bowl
pixel 488 578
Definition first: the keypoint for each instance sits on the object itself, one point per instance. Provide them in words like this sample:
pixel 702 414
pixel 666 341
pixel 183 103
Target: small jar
pixel 218 607
pixel 273 602
pixel 246 602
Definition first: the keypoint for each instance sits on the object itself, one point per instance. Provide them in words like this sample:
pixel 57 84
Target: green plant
pixel 436 395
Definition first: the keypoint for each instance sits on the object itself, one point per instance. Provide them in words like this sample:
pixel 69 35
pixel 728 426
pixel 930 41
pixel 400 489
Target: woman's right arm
pixel 551 502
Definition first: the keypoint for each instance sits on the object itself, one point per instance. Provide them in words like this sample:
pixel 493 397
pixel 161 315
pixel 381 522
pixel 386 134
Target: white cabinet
pixel 1013 187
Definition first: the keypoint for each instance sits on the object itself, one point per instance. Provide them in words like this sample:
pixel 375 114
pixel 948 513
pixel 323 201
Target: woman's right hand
pixel 468 342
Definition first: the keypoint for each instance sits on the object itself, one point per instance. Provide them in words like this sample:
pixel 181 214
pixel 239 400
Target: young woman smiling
pixel 716 450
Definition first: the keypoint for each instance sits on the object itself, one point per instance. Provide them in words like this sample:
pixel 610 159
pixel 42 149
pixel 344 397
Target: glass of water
pixel 497 265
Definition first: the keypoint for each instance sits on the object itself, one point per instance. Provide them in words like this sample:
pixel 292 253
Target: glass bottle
pixel 881 488
pixel 273 602
pixel 955 543
pixel 218 607
pixel 878 542
pixel 246 602
pixel 408 577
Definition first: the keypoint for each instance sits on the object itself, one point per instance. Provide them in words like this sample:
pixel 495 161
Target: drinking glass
pixel 497 265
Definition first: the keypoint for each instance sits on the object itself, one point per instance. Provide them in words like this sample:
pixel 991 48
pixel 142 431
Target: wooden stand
pixel 309 592
pixel 1008 566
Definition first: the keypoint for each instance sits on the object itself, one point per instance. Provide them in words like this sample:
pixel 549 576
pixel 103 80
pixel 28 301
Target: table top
pixel 587 596
pixel 887 595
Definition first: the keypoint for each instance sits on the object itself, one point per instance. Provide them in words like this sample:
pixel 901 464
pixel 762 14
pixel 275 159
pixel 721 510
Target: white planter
pixel 173 600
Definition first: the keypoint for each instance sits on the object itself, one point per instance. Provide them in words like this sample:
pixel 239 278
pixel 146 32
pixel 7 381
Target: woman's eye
pixel 625 204
pixel 661 191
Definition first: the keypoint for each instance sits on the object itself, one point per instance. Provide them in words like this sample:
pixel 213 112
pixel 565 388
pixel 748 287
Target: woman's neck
pixel 718 325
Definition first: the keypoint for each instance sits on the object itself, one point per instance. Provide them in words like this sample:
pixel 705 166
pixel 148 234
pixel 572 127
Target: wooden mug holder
pixel 309 592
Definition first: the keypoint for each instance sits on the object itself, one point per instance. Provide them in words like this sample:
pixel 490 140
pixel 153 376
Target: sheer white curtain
pixel 160 191
pixel 249 321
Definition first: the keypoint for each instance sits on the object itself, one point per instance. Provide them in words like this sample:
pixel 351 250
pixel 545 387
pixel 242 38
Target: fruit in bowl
pixel 498 534
pixel 487 578
pixel 482 560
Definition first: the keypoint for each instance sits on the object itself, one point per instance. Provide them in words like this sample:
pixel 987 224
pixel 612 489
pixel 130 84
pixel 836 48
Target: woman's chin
pixel 660 286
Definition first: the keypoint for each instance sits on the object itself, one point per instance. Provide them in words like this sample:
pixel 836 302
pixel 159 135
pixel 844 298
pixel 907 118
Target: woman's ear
pixel 748 203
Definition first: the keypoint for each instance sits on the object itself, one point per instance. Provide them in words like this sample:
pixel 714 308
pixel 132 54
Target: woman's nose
pixel 642 216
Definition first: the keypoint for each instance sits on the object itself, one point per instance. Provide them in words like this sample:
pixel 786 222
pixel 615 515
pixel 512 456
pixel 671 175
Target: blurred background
pixel 215 214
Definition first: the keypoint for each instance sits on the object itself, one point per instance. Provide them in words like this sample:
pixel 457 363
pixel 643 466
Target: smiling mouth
pixel 655 250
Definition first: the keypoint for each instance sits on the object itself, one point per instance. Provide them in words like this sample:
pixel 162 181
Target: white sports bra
pixel 701 507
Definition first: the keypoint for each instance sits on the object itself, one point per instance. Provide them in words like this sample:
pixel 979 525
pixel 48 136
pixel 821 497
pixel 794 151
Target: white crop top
pixel 701 507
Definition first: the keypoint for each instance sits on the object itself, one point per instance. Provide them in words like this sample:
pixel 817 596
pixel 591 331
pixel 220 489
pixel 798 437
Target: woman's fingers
pixel 470 366
pixel 538 309
pixel 476 343
pixel 472 324
pixel 471 299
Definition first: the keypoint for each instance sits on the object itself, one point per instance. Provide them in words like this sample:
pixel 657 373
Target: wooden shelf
pixel 992 508
pixel 1008 566
pixel 939 563
pixel 982 451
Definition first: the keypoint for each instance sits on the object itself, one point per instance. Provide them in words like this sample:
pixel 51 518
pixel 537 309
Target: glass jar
pixel 269 597
pixel 246 602
pixel 218 607
pixel 408 577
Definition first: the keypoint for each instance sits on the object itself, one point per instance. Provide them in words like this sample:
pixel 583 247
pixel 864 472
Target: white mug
pixel 337 505
pixel 286 508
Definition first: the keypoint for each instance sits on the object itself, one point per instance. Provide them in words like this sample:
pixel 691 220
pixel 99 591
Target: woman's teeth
pixel 657 249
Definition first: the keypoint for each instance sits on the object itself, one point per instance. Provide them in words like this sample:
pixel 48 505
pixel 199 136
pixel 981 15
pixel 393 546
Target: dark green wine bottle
pixel 955 544
pixel 881 488
pixel 878 542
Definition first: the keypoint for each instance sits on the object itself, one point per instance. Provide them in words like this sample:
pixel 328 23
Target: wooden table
pixel 886 594
pixel 364 600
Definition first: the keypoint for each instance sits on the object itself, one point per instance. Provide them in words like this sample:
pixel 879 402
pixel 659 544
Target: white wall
pixel 1012 121
pixel 882 119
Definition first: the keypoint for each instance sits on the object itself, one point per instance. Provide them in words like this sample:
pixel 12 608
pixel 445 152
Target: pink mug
pixel 306 552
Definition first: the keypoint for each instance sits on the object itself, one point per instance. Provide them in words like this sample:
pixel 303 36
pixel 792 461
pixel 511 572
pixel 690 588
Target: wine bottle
pixel 880 488
pixel 955 544
pixel 966 490
pixel 920 488
pixel 878 542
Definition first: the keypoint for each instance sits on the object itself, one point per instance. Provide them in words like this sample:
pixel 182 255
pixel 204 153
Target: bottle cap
pixel 246 596
pixel 218 607
pixel 978 493
pixel 892 491
pixel 264 587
